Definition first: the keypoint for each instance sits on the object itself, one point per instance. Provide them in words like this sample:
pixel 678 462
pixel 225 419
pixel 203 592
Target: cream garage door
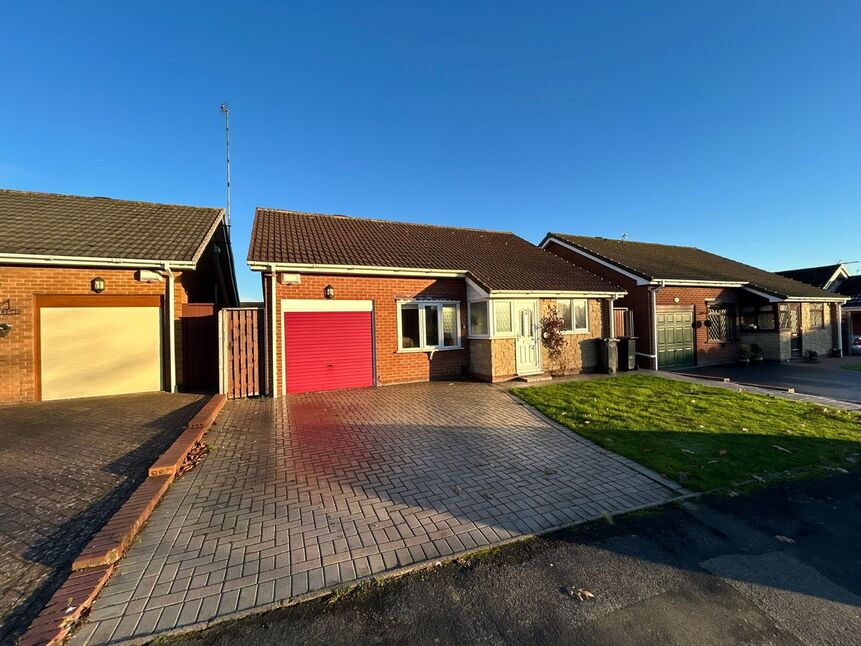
pixel 94 351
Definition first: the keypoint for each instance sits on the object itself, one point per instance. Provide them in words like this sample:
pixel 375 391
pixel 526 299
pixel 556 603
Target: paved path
pixel 65 467
pixel 714 572
pixel 320 490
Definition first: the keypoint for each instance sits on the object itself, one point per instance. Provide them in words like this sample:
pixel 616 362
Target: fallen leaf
pixel 580 594
pixel 780 448
pixel 722 452
pixel 688 451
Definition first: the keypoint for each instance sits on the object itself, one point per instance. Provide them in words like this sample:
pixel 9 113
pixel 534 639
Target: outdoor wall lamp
pixel 329 291
pixel 98 284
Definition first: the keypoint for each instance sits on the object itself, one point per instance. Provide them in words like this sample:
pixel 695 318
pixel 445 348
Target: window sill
pixel 575 332
pixel 428 349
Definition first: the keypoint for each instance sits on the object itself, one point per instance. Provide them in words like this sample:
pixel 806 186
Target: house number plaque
pixel 6 309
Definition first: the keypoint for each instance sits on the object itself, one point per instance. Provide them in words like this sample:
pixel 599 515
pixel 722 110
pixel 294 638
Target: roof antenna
pixel 624 237
pixel 226 110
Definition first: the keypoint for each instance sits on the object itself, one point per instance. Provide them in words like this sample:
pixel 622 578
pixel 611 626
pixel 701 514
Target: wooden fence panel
pixel 241 352
pixel 623 323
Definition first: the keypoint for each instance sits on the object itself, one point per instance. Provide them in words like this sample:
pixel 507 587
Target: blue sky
pixel 733 126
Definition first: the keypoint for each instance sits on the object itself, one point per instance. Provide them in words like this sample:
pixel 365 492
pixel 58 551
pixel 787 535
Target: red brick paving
pixel 323 489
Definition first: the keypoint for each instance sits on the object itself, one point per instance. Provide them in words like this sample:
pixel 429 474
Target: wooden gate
pixel 241 336
pixel 199 347
pixel 623 324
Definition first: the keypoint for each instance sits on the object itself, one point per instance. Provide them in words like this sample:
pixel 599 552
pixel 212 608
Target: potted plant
pixel 4 329
pixel 756 352
pixel 744 355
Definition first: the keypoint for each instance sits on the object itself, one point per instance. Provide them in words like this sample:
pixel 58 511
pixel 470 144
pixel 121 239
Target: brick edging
pixel 93 566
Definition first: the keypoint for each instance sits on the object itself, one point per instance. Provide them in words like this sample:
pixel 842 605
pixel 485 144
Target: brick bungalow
pixel 355 302
pixel 851 288
pixel 93 293
pixel 690 307
pixel 836 278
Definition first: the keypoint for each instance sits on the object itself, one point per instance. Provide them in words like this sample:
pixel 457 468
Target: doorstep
pixel 530 379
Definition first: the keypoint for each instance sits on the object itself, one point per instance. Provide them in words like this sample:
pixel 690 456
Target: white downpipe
pixel 612 318
pixel 654 291
pixel 171 328
pixel 840 328
pixel 273 324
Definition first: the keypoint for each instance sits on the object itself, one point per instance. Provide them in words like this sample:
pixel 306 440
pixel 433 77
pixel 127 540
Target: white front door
pixel 528 350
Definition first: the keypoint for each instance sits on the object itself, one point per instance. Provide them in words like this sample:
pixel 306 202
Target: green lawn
pixel 854 366
pixel 700 436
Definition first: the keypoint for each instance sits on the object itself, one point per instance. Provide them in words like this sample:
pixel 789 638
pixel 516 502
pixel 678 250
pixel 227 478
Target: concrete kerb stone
pixel 52 626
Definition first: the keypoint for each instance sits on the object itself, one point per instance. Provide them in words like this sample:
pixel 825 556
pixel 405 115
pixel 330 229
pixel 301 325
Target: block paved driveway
pixel 65 467
pixel 319 490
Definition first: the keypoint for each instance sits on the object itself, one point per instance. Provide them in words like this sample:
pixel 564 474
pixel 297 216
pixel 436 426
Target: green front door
pixel 675 338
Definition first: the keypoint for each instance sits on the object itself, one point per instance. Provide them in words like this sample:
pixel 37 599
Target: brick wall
pixel 820 340
pixel 580 353
pixel 21 284
pixel 392 366
pixel 481 359
pixel 707 352
pixel 637 300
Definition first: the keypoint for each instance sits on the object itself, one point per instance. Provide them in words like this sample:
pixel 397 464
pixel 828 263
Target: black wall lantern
pixel 329 291
pixel 98 284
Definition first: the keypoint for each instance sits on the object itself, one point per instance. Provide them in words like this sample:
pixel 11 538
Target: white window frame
pixel 574 329
pixel 496 334
pixel 469 333
pixel 422 329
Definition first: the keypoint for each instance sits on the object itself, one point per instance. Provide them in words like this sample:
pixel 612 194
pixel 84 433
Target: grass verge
pixel 700 436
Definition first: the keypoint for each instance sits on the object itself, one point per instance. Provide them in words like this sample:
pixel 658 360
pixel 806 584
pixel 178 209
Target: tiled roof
pixel 816 276
pixel 47 224
pixel 659 261
pixel 495 260
pixel 851 287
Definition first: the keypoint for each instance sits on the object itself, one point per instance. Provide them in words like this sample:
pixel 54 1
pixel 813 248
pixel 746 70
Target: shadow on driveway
pixel 65 468
pixel 714 572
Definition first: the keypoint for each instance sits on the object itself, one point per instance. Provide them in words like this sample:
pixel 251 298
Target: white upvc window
pixel 575 314
pixel 428 325
pixel 479 319
pixel 503 318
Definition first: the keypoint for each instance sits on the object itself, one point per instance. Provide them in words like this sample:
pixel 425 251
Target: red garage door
pixel 328 351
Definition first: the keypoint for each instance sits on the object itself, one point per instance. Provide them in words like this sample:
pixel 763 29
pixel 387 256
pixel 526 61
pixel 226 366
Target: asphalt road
pixel 713 572
pixel 825 378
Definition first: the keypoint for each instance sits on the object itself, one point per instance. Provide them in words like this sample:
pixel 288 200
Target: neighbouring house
pixel 95 295
pixel 689 307
pixel 353 302
pixel 851 288
pixel 836 278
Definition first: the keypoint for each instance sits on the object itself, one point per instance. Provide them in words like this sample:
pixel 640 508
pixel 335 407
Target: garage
pixel 328 345
pixel 675 338
pixel 94 346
